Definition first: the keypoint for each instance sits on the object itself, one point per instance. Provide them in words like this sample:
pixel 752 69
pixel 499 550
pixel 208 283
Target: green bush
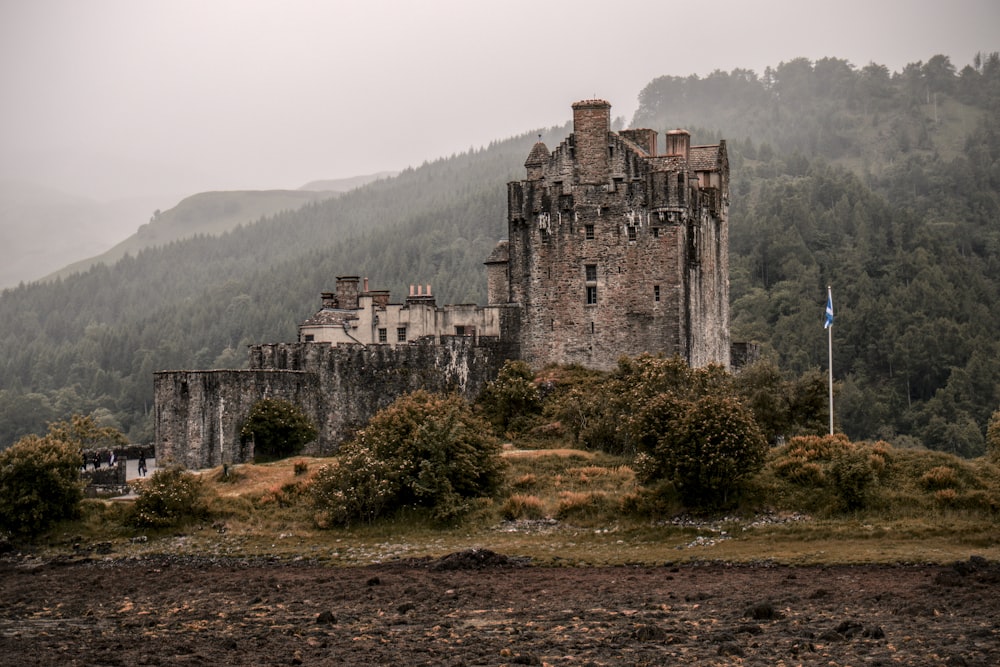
pixel 511 401
pixel 854 474
pixel 84 432
pixel 424 450
pixel 167 498
pixel 39 484
pixel 709 450
pixel 278 429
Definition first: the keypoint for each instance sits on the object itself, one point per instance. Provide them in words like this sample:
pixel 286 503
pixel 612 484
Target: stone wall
pixel 199 414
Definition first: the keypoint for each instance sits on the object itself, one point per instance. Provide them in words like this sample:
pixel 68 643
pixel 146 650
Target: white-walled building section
pixel 353 315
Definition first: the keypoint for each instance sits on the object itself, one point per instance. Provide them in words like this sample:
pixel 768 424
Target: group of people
pixel 99 458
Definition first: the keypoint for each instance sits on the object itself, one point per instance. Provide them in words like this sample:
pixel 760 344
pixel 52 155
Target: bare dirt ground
pixel 481 608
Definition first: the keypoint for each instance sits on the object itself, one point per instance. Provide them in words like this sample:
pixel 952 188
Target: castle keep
pixel 617 250
pixel 613 249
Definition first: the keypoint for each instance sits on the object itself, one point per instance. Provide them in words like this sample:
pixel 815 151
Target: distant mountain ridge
pixel 47 234
pixel 42 229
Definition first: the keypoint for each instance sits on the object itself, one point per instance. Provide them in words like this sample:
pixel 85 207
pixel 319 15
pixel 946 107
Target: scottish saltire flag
pixel 828 320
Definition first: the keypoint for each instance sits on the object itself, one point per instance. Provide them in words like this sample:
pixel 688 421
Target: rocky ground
pixel 481 608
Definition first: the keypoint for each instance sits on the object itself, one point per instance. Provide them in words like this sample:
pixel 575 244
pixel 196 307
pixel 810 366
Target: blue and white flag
pixel 828 320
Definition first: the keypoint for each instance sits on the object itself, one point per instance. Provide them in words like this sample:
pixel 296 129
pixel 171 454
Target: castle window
pixel 590 271
pixel 631 233
pixel 656 232
pixel 401 334
pixel 588 232
pixel 308 338
pixel 383 336
pixel 656 292
pixel 591 295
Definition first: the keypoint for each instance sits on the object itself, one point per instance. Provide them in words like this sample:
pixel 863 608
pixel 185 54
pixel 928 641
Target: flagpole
pixel 829 339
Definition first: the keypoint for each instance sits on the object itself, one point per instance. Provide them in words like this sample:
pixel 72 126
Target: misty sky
pixel 112 98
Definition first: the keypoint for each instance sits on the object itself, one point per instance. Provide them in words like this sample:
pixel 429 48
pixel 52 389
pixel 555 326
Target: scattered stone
pixel 763 611
pixel 731 649
pixel 849 628
pixel 326 618
pixel 650 633
pixel 373 581
pixel 474 559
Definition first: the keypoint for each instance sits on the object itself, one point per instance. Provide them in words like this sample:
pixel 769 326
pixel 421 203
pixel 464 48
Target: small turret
pixel 536 161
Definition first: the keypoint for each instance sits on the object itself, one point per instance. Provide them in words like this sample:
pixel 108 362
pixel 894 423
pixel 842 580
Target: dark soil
pixel 481 608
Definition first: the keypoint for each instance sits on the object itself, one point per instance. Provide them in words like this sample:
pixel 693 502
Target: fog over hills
pixel 42 230
pixel 48 234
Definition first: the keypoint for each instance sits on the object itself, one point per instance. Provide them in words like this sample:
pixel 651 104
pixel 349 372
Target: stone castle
pixel 613 249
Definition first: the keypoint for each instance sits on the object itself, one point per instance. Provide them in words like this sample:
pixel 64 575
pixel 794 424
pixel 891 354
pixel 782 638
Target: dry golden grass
pixel 594 512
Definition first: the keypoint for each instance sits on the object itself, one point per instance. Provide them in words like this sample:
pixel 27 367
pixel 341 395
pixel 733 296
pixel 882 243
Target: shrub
pixel 939 477
pixel 83 432
pixel 854 473
pixel 799 471
pixel 511 400
pixel 39 484
pixel 707 451
pixel 167 498
pixel 817 447
pixel 521 506
pixel 278 429
pixel 525 481
pixel 583 505
pixel 424 450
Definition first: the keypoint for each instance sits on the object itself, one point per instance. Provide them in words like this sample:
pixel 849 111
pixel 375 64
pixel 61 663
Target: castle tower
pixel 591 124
pixel 614 250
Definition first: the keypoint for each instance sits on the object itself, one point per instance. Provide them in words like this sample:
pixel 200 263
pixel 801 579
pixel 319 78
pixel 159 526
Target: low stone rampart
pixel 199 414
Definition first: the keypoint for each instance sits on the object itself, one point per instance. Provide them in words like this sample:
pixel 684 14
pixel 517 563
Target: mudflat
pixel 482 608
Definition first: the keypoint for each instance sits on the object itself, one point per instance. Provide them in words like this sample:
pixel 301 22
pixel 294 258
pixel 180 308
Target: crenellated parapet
pixel 199 414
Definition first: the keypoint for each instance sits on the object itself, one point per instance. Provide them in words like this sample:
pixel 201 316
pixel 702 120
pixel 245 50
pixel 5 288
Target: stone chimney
pixel 329 299
pixel 347 292
pixel 678 143
pixel 591 125
pixel 417 295
pixel 645 139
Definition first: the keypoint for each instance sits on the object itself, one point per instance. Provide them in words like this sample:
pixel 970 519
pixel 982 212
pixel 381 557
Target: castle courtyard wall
pixel 199 414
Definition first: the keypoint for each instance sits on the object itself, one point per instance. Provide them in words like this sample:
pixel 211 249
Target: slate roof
pixel 538 156
pixel 330 316
pixel 500 254
pixel 703 158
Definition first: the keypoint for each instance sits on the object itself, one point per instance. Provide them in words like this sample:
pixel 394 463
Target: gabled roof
pixel 704 158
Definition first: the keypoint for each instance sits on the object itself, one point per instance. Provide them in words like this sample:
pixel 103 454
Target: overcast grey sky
pixel 109 98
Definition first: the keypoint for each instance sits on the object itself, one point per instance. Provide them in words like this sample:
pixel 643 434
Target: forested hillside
pixel 884 185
